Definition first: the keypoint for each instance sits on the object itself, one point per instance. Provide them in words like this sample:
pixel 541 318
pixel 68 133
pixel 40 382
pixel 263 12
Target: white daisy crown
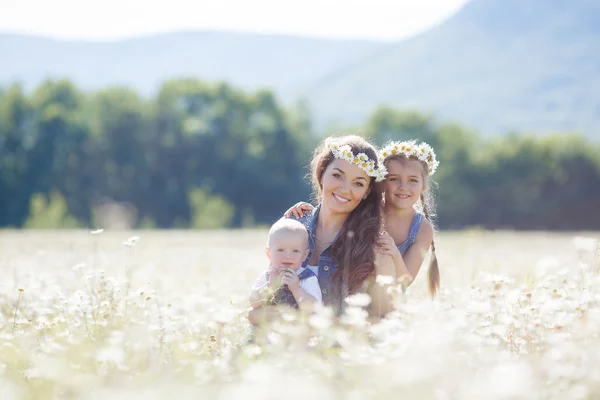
pixel 422 151
pixel 344 152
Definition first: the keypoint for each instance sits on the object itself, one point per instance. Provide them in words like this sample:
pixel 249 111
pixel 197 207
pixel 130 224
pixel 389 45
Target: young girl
pixel 408 232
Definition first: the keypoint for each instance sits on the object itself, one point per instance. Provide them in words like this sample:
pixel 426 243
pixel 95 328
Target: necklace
pixel 323 244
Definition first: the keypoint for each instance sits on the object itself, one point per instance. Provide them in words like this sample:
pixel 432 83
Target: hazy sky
pixel 110 19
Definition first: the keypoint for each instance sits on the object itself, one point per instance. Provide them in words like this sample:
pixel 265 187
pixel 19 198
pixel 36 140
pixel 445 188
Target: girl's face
pixel 344 186
pixel 404 183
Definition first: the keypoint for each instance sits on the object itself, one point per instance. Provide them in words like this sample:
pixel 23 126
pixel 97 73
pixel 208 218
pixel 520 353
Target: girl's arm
pixel 409 265
pixel 298 209
pixel 414 257
pixel 385 276
pixel 387 246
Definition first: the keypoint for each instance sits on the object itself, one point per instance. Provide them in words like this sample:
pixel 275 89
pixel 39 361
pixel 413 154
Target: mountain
pixel 496 65
pixel 247 60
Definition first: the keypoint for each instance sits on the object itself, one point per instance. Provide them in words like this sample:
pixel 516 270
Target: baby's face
pixel 287 250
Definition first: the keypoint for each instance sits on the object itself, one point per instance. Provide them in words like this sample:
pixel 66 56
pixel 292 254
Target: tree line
pixel 209 155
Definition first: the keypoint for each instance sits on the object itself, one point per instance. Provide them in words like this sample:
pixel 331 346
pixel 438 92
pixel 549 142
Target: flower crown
pixel 422 151
pixel 361 160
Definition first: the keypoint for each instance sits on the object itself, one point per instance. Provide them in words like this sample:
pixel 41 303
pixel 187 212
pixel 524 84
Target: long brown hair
pixel 353 249
pixel 428 206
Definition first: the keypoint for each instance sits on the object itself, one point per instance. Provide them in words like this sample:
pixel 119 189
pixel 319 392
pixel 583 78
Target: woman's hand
pixel 290 278
pixel 297 210
pixel 387 246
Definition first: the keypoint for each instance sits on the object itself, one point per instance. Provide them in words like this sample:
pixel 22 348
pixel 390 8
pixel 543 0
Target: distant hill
pixel 281 62
pixel 497 65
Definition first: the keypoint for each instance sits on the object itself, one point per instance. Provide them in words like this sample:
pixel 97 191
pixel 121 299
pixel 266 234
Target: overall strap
pixel 307 273
pixel 415 226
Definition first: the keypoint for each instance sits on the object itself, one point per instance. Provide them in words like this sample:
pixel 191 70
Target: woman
pixel 344 226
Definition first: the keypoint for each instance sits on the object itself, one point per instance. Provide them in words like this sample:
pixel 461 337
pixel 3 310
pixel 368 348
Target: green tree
pixel 17 137
pixel 49 212
pixel 209 211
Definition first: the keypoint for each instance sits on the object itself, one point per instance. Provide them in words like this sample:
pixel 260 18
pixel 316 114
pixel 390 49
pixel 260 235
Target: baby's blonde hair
pixel 287 225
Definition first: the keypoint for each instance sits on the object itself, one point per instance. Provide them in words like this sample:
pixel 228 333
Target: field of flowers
pixel 161 315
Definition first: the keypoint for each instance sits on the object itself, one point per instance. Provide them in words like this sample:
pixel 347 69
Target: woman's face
pixel 403 184
pixel 344 186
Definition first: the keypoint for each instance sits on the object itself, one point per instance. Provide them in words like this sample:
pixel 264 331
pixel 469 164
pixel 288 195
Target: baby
pixel 286 281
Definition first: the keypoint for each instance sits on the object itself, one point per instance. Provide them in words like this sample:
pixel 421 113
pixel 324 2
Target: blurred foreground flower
pixel 358 300
pixel 384 280
pixel 225 315
pixel 354 316
pixel 585 244
pixel 321 318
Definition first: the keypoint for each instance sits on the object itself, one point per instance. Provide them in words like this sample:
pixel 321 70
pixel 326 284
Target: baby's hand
pixel 297 210
pixel 290 278
pixel 274 275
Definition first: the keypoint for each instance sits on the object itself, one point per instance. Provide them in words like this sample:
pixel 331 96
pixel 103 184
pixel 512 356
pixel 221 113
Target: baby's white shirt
pixel 310 284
